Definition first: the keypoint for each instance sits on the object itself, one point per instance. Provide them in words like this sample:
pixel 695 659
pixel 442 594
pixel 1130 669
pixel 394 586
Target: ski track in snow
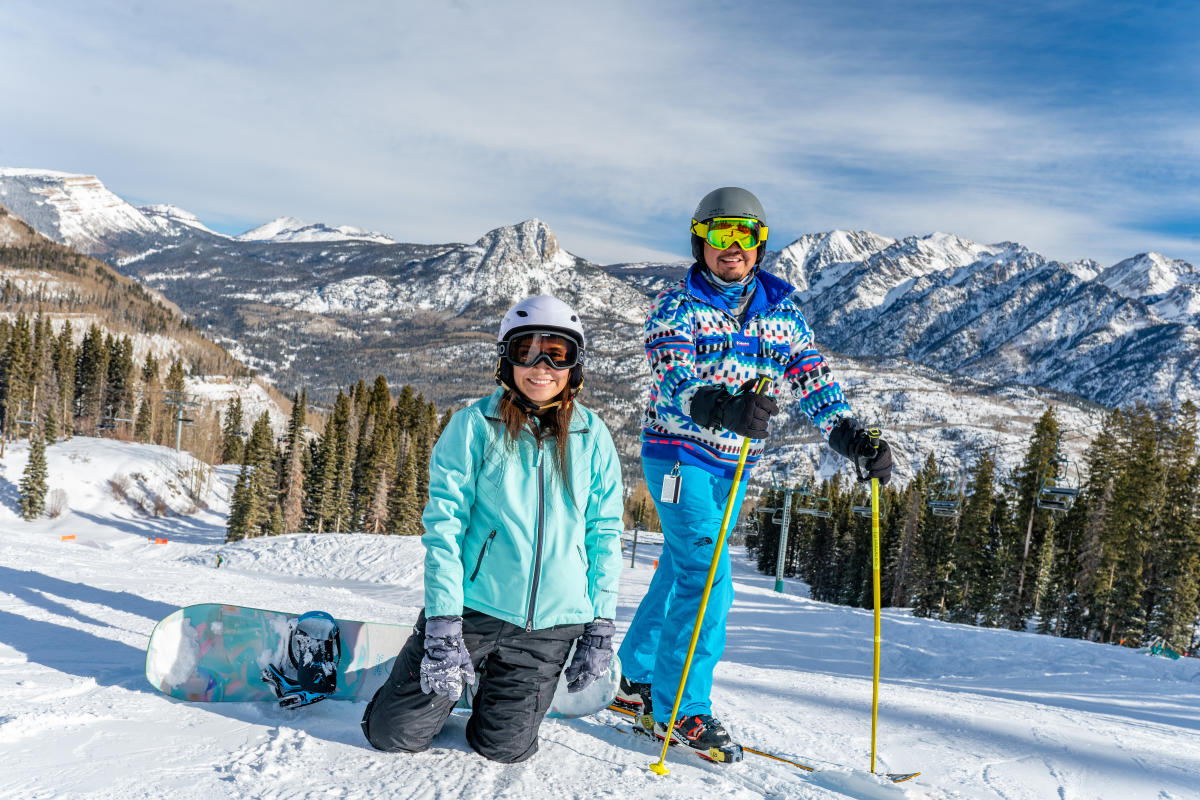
pixel 983 714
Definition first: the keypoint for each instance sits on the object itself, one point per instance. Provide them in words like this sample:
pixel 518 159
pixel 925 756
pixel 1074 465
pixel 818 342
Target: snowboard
pixel 213 652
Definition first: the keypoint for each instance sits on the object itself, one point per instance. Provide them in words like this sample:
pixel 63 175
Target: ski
pixel 894 777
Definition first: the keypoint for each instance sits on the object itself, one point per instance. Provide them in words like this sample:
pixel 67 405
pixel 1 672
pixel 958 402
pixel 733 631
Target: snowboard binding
pixel 314 648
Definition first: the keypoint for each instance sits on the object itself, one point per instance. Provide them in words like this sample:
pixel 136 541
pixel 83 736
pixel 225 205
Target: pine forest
pixel 1108 550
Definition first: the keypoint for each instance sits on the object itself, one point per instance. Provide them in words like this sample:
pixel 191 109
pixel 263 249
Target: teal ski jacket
pixel 505 536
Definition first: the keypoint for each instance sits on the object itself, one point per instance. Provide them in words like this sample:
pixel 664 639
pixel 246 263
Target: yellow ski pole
pixel 660 767
pixel 878 638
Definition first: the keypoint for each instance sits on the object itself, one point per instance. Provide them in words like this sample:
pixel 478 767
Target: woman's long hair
pixel 554 422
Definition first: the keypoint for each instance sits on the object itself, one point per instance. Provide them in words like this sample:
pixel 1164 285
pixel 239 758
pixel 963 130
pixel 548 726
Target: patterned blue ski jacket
pixel 692 341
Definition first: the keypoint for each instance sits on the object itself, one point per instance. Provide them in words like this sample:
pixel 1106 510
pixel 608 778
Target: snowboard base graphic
pixel 216 653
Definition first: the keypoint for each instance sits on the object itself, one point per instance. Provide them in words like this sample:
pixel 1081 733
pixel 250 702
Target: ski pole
pixel 878 638
pixel 660 767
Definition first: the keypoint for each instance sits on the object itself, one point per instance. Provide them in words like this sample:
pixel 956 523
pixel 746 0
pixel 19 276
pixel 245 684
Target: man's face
pixel 731 264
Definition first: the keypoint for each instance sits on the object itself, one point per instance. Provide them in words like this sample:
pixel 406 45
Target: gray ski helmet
pixel 543 313
pixel 728 201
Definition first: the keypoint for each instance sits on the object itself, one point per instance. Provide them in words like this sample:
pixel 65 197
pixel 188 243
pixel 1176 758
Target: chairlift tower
pixel 811 503
pixel 180 401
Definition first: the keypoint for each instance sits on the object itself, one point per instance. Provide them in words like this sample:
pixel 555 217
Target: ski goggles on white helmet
pixel 529 347
pixel 724 232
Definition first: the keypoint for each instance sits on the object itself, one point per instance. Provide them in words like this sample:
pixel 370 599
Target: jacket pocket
pixel 487 545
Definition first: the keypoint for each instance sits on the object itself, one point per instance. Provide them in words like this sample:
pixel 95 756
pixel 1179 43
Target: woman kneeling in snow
pixel 522 551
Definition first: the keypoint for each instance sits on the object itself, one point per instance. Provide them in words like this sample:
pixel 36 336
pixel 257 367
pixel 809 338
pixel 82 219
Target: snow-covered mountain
pixel 1004 314
pixel 290 229
pixel 80 211
pixel 77 210
pixel 166 216
pixel 1169 286
pixel 324 313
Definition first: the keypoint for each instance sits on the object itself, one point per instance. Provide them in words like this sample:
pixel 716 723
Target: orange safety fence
pixel 70 537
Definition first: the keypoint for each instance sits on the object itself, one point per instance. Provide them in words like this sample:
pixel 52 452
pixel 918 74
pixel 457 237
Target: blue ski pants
pixel 656 644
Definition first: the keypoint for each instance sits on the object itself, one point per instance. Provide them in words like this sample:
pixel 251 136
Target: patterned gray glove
pixel 593 654
pixel 446 663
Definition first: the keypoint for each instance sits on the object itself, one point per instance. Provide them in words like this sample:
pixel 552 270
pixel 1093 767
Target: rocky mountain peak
pixel 1148 275
pixel 77 210
pixel 527 242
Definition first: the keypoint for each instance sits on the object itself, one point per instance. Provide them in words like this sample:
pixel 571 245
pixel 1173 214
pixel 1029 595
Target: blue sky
pixel 1070 127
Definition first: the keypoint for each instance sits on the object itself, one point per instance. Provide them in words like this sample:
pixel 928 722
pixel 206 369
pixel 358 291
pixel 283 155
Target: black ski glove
pixel 593 654
pixel 745 413
pixel 871 456
pixel 447 663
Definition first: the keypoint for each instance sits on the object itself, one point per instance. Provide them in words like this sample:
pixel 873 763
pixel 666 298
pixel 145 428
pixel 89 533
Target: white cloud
pixel 435 123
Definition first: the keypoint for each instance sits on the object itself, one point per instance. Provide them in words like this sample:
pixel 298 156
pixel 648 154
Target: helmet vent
pixel 522 313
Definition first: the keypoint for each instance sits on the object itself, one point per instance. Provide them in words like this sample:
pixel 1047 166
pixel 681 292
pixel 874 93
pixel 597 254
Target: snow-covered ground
pixel 982 713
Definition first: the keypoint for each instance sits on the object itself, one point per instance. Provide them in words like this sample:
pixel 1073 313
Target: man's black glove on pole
pixel 871 456
pixel 744 413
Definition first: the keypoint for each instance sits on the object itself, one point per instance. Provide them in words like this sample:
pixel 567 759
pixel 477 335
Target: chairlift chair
pixel 1059 485
pixel 811 503
pixel 860 504
pixel 946 497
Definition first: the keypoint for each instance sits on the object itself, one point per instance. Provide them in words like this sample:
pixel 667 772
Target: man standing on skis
pixel 708 339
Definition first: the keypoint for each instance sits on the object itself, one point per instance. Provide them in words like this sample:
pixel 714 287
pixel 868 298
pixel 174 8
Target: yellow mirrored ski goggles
pixel 724 232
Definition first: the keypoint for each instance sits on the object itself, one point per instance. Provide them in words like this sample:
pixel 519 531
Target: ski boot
pixel 704 734
pixel 635 697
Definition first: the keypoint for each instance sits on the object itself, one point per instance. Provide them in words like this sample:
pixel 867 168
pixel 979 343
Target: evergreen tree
pixel 323 496
pixel 91 372
pixel 969 584
pixel 147 424
pixel 1059 609
pixel 1176 590
pixel 64 375
pixel 255 498
pixel 143 423
pixel 426 435
pixel 243 508
pixel 33 486
pixel 231 432
pixel 50 423
pixel 344 480
pixel 1019 590
pixel 1137 502
pixel 118 389
pixel 934 545
pixel 16 380
pixel 293 472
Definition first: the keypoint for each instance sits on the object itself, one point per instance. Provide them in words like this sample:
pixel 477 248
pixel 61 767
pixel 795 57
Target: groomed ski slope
pixel 982 713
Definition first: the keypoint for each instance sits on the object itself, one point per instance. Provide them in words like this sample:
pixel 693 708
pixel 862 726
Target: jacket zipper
pixel 541 516
pixel 486 544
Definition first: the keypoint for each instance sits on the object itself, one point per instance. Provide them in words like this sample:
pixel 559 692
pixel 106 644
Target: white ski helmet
pixel 539 313
pixel 543 312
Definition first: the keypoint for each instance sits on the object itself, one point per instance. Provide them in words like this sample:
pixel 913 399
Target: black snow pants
pixel 517 672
